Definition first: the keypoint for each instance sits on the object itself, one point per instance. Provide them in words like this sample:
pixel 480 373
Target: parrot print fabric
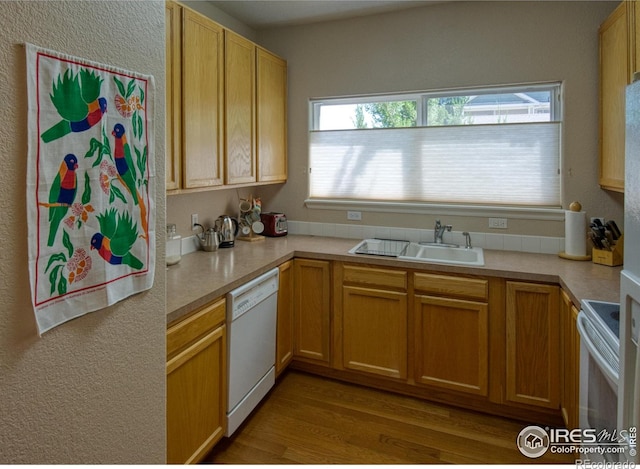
pixel 90 185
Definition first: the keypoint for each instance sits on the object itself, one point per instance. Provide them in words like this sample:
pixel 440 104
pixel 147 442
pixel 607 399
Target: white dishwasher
pixel 251 354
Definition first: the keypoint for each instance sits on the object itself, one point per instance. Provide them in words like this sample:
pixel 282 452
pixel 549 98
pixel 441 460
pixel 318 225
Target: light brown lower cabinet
pixel 196 384
pixel 452 344
pixel 571 362
pixel 374 321
pixel 485 342
pixel 533 344
pixel 312 310
pixel 451 328
pixel 423 330
pixel 284 333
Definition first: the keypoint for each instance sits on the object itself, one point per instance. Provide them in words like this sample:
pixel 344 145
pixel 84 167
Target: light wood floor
pixel 312 420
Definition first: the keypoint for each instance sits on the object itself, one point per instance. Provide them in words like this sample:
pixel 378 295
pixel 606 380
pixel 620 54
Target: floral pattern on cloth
pixel 90 185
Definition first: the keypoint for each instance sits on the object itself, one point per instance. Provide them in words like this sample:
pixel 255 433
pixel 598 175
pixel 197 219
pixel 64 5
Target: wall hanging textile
pixel 90 185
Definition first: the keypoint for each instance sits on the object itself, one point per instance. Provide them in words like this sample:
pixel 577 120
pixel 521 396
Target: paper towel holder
pixel 575 207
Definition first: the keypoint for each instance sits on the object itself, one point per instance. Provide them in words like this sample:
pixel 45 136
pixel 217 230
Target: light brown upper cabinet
pixel 173 26
pixel 272 117
pixel 194 158
pixel 226 107
pixel 255 110
pixel 619 51
pixel 240 104
pixel 202 101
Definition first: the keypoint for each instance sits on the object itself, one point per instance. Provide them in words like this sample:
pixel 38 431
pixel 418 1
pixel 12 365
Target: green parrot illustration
pixel 115 239
pixel 77 99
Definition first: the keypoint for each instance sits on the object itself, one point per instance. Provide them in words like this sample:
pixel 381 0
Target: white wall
pixel 92 390
pixel 450 45
pixel 215 13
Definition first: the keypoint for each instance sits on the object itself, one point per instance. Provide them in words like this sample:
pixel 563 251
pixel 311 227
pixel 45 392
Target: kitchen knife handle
pixel 615 231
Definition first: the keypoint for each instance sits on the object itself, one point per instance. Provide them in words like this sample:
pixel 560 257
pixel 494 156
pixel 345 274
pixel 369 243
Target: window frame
pixel 421 97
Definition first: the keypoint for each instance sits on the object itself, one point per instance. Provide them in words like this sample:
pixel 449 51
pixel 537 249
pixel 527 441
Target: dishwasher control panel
pixel 252 293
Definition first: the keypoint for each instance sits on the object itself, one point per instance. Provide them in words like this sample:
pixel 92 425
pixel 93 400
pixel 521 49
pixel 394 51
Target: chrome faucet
pixel 467 238
pixel 439 230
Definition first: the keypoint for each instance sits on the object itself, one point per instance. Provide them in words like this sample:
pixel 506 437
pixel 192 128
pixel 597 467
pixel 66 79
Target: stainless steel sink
pixel 381 247
pixel 428 253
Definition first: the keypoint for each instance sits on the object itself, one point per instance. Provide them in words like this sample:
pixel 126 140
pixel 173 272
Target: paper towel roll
pixel 575 233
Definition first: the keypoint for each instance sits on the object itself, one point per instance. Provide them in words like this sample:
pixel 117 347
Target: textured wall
pixel 91 390
pixel 452 44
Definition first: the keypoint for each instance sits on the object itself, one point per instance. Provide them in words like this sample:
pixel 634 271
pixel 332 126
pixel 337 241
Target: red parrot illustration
pixel 62 194
pixel 127 172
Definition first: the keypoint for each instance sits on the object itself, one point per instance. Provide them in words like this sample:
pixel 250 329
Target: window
pixel 489 147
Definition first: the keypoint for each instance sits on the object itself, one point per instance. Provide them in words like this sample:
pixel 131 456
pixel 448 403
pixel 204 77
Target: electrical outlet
pixel 355 216
pixel 194 220
pixel 499 223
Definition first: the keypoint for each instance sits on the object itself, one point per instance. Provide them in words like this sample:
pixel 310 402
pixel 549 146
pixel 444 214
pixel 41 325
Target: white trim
pixel 525 213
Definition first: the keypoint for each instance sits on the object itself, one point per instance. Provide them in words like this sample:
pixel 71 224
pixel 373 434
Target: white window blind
pixel 507 164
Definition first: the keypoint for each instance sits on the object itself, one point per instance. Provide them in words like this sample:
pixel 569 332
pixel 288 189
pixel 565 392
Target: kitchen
pixel 555 41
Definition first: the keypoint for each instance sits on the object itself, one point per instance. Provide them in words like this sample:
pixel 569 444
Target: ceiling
pixel 262 14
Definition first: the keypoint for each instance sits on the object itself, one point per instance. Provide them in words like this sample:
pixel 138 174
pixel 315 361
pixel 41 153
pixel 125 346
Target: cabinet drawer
pixel 190 329
pixel 473 288
pixel 375 277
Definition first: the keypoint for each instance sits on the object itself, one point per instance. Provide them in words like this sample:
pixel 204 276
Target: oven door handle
pixel 594 350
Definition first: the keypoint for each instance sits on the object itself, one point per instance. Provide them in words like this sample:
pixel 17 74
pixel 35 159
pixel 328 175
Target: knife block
pixel 611 258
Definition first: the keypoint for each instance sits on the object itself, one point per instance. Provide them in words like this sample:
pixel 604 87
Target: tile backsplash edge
pixel 500 242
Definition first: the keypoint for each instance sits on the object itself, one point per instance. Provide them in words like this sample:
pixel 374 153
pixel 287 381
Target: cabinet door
pixel 452 344
pixel 374 331
pixel 633 11
pixel 574 416
pixel 272 117
pixel 202 101
pixel 533 344
pixel 312 310
pixel 196 379
pixel 240 154
pixel 614 77
pixel 566 370
pixel 284 335
pixel 173 24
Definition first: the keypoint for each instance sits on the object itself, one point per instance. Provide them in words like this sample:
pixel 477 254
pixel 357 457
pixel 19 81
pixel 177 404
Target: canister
pixel 174 245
